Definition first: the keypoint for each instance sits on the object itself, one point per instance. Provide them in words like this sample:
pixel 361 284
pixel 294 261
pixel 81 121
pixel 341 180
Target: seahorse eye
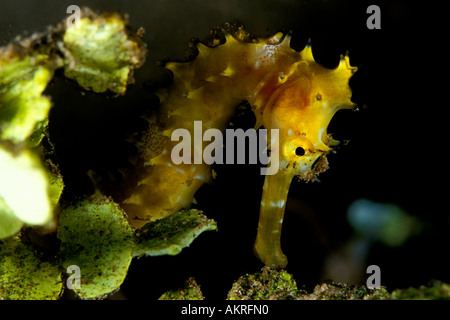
pixel 300 151
pixel 318 97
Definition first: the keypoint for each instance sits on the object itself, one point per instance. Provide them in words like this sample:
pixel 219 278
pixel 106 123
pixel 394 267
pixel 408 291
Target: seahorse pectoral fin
pixel 268 239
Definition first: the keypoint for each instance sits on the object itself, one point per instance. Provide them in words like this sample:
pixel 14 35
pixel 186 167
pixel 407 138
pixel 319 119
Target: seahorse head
pixel 300 102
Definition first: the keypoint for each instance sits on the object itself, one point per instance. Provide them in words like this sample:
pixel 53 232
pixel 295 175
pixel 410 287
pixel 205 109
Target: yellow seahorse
pixel 287 90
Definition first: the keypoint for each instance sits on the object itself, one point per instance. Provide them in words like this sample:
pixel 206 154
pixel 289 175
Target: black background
pixel 396 152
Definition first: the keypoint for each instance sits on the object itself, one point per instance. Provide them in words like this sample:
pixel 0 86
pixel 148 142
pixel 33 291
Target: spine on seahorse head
pixel 288 91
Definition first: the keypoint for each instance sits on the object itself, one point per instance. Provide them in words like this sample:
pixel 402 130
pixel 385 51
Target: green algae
pixel 173 233
pixel 273 284
pixel 24 75
pixel 25 275
pixel 22 105
pixel 269 284
pixel 341 291
pixel 100 55
pixel 96 237
pixel 24 177
pixel 9 223
pixel 190 291
pixel 436 290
